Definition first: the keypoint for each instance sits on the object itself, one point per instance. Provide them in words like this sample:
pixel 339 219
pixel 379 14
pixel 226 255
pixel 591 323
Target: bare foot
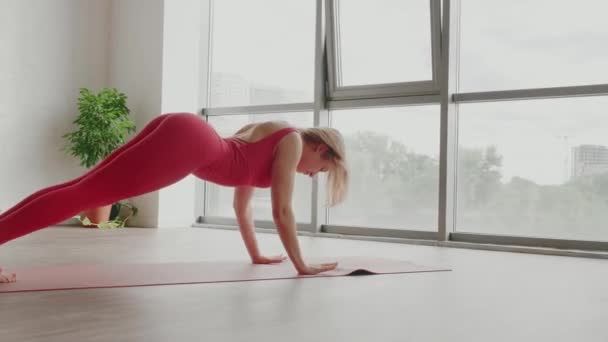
pixel 7 277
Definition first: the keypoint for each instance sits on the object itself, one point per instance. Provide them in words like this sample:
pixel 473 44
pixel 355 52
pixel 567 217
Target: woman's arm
pixel 283 172
pixel 244 217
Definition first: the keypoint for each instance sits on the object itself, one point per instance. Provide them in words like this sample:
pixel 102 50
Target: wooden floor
pixel 489 296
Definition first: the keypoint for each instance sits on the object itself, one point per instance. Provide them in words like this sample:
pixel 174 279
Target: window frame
pixel 451 98
pixel 442 90
pixel 412 88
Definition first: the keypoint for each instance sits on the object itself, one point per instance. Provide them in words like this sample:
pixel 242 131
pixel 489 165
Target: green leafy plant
pixel 124 212
pixel 103 125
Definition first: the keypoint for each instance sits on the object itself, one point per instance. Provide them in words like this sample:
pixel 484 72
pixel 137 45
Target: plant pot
pixel 115 211
pixel 97 215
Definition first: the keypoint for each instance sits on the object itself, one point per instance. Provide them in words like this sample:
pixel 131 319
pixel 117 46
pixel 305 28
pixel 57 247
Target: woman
pixel 171 147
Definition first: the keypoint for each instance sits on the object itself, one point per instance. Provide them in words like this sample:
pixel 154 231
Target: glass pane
pixel 262 54
pixel 534 168
pixel 219 198
pixel 384 41
pixel 393 157
pixel 532 44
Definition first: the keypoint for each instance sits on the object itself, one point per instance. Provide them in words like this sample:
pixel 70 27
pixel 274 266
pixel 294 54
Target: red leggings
pixel 167 149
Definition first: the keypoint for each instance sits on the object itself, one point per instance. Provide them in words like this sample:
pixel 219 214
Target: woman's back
pixel 254 132
pixel 246 157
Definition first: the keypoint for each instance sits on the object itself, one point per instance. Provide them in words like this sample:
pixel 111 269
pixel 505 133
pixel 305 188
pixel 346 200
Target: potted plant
pixel 102 126
pixel 120 213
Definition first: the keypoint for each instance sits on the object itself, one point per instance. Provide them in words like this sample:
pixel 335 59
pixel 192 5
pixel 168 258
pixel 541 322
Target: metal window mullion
pixel 232 223
pixel 415 88
pixel 205 98
pixel 260 109
pixel 381 232
pixel 321 116
pixel 436 40
pixel 448 120
pixel 411 86
pixel 201 198
pixel 530 241
pixel 331 45
pixel 384 102
pixel 338 28
pixel 532 93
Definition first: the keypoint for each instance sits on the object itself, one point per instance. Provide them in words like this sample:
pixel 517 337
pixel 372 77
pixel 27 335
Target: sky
pixel 504 45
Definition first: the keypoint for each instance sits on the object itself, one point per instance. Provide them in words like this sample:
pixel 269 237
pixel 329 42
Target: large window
pixel 532 44
pixel 386 41
pixel 393 156
pixel 534 168
pixel 492 128
pixel 532 155
pixel 219 198
pixel 383 48
pixel 262 53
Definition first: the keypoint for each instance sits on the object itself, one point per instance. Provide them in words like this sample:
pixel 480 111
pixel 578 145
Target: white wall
pixel 184 70
pixel 152 50
pixel 48 50
pixel 157 50
pixel 136 46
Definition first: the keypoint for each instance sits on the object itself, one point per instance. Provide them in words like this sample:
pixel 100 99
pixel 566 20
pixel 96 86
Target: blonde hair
pixel 337 177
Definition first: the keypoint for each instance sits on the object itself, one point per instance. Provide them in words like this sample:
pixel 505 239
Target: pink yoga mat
pixel 124 275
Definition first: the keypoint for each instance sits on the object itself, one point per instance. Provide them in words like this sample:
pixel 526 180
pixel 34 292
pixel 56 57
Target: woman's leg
pixel 177 146
pixel 143 133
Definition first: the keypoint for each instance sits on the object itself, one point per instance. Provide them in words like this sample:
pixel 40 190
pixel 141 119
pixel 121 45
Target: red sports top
pixel 240 163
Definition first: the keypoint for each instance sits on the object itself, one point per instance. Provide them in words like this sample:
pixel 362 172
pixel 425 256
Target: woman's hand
pixel 269 260
pixel 317 268
pixel 284 167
